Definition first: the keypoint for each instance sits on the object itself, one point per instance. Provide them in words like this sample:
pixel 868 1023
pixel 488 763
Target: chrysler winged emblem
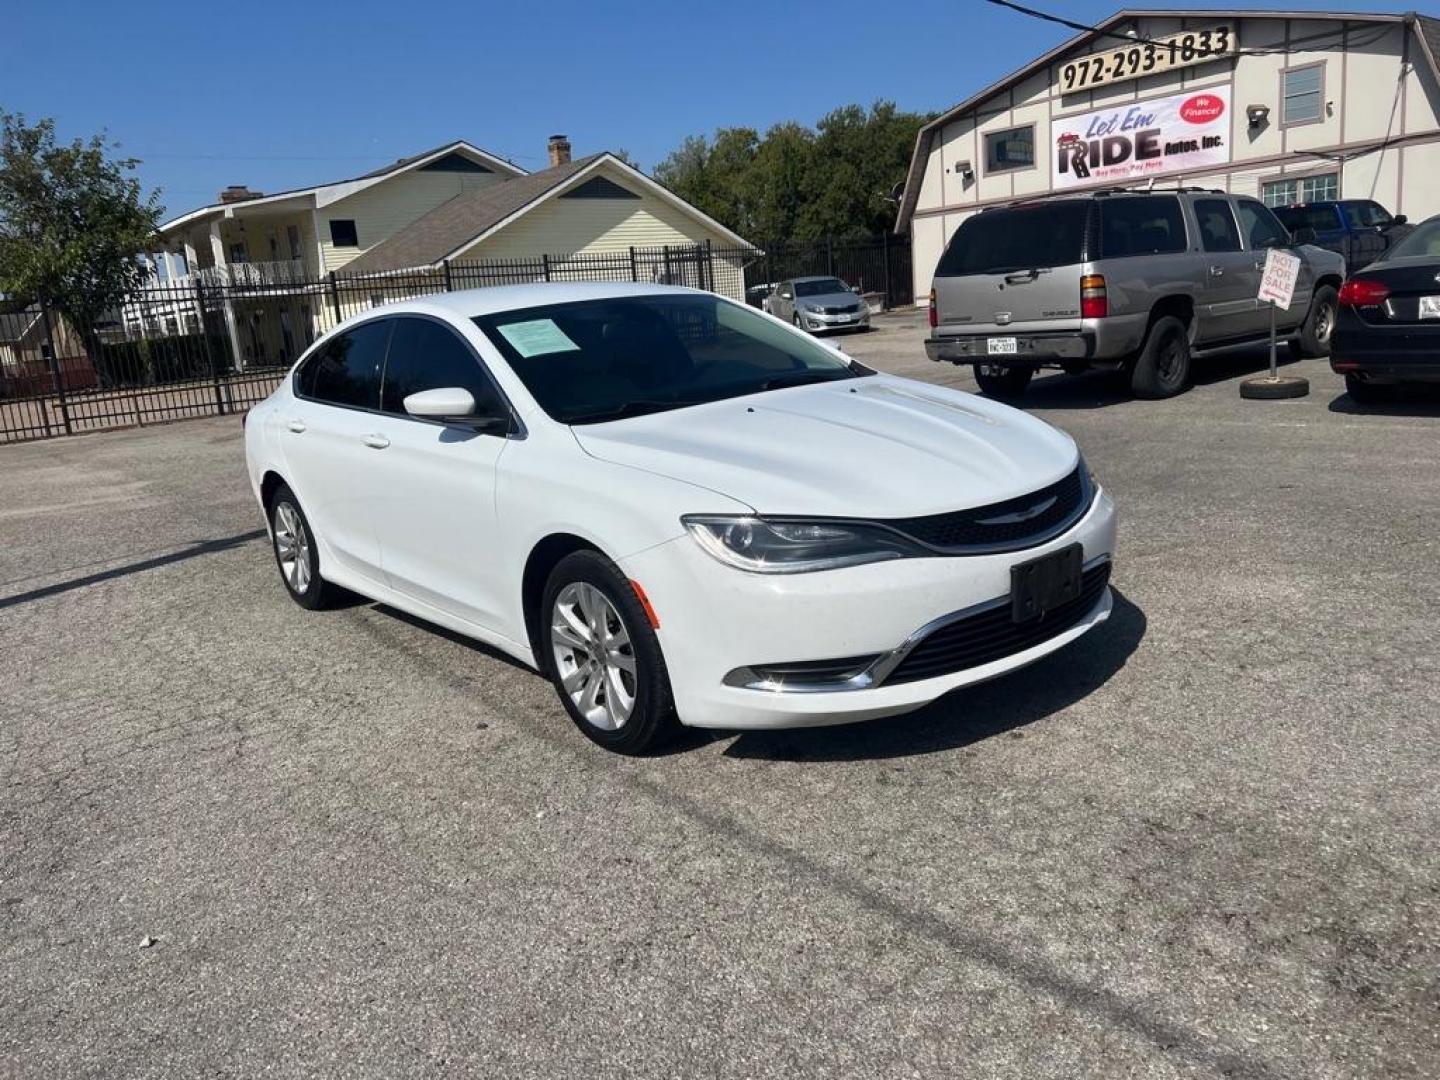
pixel 1002 318
pixel 1020 515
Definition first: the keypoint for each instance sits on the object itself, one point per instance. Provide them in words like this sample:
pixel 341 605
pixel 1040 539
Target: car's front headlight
pixel 814 309
pixel 794 547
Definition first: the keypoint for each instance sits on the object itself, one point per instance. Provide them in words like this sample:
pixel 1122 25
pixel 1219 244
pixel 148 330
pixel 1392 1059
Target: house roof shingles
pixel 429 239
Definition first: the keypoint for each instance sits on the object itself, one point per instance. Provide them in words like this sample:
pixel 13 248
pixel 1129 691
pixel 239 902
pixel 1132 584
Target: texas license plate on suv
pixel 1046 583
pixel 1000 346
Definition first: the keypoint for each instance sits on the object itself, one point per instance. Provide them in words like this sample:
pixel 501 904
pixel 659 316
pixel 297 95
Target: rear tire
pixel 1163 367
pixel 1003 382
pixel 296 553
pixel 1364 393
pixel 603 657
pixel 1319 324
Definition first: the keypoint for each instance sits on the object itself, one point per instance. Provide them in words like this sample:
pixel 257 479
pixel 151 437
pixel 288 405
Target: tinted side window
pixel 1262 228
pixel 425 355
pixel 1142 226
pixel 347 370
pixel 1217 225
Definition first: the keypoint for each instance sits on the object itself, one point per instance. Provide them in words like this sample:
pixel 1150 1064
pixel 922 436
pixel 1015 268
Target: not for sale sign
pixel 1282 271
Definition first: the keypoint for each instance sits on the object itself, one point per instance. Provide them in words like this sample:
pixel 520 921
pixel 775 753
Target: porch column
pixel 232 324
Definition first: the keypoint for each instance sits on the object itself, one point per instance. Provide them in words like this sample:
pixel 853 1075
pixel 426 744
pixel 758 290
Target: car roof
pixel 817 277
pixel 470 303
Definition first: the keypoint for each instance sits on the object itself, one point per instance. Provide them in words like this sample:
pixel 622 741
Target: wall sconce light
pixel 1257 115
pixel 965 171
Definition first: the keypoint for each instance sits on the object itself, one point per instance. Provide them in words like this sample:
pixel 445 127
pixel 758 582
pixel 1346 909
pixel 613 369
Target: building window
pixel 1302 95
pixel 292 234
pixel 342 232
pixel 238 254
pixel 1006 151
pixel 1301 189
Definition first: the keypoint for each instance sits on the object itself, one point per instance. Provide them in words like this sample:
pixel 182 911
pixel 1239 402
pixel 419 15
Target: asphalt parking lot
pixel 1199 842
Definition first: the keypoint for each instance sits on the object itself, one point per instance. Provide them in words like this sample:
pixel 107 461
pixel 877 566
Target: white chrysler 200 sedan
pixel 679 509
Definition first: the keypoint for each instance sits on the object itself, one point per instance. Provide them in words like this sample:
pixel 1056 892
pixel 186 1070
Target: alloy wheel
pixel 292 547
pixel 594 657
pixel 1324 323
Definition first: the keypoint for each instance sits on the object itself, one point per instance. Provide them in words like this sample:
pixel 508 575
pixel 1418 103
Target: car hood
pixel 877 446
pixel 835 299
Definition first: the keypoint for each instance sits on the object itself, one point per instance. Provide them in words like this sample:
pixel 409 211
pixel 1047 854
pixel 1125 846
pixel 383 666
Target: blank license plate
pixel 1046 583
pixel 1000 346
pixel 1430 307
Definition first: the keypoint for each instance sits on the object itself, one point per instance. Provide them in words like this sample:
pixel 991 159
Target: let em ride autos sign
pixel 1181 133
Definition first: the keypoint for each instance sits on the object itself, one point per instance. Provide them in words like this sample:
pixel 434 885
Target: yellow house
pixel 570 213
pixel 453 206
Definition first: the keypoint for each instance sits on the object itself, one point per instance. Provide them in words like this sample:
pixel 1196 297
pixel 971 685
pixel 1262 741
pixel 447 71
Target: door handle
pixel 1217 271
pixel 297 426
pixel 376 442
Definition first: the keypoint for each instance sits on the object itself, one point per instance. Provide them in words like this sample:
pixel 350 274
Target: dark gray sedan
pixel 819 303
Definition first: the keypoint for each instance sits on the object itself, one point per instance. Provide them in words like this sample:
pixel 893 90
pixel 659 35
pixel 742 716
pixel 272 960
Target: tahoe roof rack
pixel 1046 196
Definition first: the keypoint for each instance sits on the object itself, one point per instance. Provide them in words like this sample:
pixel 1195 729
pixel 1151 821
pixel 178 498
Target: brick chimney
pixel 559 148
pixel 238 193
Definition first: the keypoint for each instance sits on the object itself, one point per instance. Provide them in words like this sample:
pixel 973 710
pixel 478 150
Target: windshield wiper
pixel 801 378
pixel 628 409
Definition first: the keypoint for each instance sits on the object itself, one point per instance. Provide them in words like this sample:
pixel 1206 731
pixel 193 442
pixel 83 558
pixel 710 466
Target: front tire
pixel 296 553
pixel 1314 339
pixel 1163 367
pixel 795 318
pixel 1003 382
pixel 603 657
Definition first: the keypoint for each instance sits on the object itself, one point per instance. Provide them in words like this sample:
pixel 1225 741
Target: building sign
pixel 1141 139
pixel 1123 62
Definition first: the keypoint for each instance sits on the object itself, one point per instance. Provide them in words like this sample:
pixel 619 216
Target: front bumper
pixel 715 620
pixel 848 321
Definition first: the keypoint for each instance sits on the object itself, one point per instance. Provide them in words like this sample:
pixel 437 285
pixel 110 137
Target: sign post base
pixel 1265 388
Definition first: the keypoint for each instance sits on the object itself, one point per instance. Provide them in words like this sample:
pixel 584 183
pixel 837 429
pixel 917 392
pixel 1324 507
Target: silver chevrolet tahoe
pixel 1140 282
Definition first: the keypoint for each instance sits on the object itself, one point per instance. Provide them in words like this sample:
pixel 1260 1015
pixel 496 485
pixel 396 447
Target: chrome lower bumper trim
pixel 749 679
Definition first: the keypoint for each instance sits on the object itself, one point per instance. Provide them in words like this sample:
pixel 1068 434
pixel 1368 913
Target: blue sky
pixel 285 95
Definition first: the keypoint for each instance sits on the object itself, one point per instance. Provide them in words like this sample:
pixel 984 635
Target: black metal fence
pixel 220 341
pixel 880 268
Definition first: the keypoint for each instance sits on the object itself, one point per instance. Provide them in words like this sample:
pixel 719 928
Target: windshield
pixel 823 287
pixel 598 360
pixel 1424 242
pixel 1017 238
pixel 1368 213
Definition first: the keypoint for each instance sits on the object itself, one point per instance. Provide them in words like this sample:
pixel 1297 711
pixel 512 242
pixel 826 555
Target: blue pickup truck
pixel 1359 229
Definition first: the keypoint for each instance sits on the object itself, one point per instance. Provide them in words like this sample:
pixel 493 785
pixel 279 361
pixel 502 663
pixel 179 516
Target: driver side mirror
pixel 1399 219
pixel 1303 235
pixel 454 405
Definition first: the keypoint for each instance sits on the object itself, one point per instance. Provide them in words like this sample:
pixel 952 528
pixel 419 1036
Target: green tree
pixel 73 221
pixel 796 183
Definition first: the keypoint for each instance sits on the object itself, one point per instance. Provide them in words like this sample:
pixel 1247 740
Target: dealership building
pixel 1288 106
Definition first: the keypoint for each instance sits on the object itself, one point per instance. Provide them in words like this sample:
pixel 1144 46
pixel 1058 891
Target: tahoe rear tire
pixel 1002 382
pixel 1163 367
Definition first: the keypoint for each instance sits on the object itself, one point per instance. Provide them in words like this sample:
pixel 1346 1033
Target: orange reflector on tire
pixel 645 603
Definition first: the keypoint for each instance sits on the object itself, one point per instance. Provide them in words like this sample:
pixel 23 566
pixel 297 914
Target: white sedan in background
pixel 677 508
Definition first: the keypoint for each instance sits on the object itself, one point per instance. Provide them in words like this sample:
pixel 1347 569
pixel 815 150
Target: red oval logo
pixel 1202 109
